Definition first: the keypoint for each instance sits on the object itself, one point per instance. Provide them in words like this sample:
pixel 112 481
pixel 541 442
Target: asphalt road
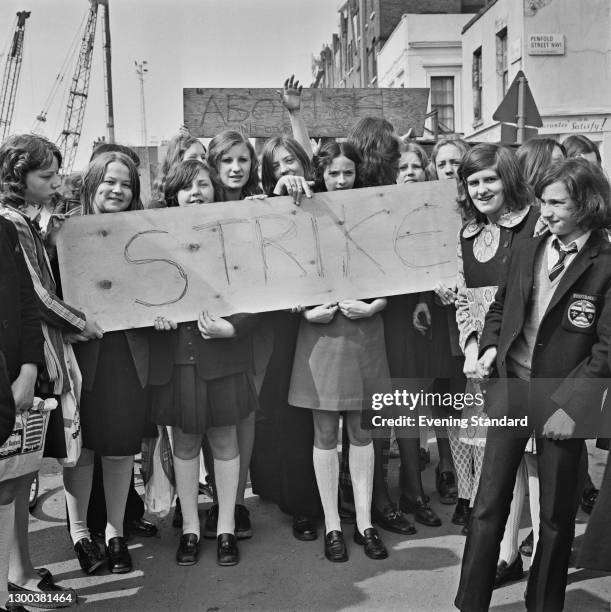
pixel 277 572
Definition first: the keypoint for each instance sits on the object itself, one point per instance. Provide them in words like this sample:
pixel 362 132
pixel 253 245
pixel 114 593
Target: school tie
pixel 563 253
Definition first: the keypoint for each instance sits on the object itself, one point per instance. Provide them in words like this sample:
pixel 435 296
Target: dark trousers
pixel 558 465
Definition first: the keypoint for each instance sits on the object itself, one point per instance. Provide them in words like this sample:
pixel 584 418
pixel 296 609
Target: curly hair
pixel 408 146
pixel 268 176
pixel 588 187
pixel 380 147
pixel 220 144
pixel 325 156
pixel 182 175
pixel 94 175
pixel 487 156
pixel 19 155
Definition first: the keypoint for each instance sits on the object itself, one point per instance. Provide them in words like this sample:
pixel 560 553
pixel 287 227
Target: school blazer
pixel 87 354
pixel 215 358
pixel 571 348
pixel 21 338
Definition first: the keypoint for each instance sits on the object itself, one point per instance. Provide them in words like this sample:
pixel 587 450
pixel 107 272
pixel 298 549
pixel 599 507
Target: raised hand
pixel 291 94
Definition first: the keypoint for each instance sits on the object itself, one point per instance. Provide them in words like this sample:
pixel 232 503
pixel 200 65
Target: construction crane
pixel 69 138
pixel 10 79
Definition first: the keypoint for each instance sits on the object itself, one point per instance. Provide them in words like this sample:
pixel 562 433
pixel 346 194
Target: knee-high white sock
pixel 533 496
pixel 117 477
pixel 186 472
pixel 361 472
pixel 509 543
pixel 7 527
pixel 226 475
pixel 77 485
pixel 326 468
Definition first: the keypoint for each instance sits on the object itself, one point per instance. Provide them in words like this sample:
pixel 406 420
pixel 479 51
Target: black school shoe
pixel 65 597
pixel 462 512
pixel 335 547
pixel 304 528
pixel 393 520
pixel 422 511
pixel 89 556
pixel 446 486
pixel 188 549
pixel 508 573
pixel 227 552
pixel 119 559
pixel 588 499
pixel 374 547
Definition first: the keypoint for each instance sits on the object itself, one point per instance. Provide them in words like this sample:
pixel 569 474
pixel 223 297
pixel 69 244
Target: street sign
pixel 509 109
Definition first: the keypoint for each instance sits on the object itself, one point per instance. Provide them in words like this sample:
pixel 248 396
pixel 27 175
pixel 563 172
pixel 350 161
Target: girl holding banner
pixel 201 387
pixel 114 399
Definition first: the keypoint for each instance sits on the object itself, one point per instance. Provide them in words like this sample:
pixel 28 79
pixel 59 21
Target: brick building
pixel 350 60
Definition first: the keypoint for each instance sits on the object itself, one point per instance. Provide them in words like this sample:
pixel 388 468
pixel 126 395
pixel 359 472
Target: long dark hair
pixel 535 157
pixel 517 194
pixel 325 156
pixel 379 144
pixel 220 144
pixel 94 175
pixel 268 178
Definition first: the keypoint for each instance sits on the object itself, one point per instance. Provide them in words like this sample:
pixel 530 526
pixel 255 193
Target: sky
pixel 187 43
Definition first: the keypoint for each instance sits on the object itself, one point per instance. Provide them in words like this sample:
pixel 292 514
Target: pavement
pixel 278 572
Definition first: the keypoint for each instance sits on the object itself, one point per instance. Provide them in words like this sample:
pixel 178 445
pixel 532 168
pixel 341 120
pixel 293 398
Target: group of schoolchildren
pixel 529 317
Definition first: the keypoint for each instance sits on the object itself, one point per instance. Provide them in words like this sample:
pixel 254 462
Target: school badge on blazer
pixel 581 312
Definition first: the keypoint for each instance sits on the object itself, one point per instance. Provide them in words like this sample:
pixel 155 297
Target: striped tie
pixel 558 268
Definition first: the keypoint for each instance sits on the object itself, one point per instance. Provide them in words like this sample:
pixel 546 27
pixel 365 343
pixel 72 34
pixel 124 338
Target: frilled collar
pixel 508 219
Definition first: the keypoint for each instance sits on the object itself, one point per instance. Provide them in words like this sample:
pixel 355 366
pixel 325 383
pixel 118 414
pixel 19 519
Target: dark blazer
pixel 214 358
pixel 21 338
pixel 570 358
pixel 87 354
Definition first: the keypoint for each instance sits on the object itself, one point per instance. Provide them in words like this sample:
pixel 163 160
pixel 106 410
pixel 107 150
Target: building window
pixel 477 84
pixel 350 55
pixel 442 100
pixel 502 69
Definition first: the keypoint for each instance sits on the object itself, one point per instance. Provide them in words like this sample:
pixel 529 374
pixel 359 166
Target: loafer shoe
pixel 46 585
pixel 212 519
pixel 508 573
pixel 304 528
pixel 370 540
pixel 335 547
pixel 393 520
pixel 89 555
pixel 227 552
pixel 421 510
pixel 446 486
pixel 462 512
pixel 119 559
pixel 188 549
pixel 588 499
pixel 141 527
pixel 526 547
pixel 243 527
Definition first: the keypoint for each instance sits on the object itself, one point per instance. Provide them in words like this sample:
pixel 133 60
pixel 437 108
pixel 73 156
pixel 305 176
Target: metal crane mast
pixel 68 140
pixel 10 79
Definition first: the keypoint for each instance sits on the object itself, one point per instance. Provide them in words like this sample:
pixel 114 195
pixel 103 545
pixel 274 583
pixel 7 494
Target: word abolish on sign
pixel 326 112
pixel 125 269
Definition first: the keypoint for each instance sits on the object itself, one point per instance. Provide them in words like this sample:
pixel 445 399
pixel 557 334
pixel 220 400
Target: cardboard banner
pixel 326 112
pixel 125 269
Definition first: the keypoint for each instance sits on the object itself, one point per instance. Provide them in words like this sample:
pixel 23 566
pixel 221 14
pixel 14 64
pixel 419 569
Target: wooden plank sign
pixel 125 269
pixel 327 112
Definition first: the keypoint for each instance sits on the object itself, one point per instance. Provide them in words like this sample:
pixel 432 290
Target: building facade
pixel 564 49
pixel 351 58
pixel 424 50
